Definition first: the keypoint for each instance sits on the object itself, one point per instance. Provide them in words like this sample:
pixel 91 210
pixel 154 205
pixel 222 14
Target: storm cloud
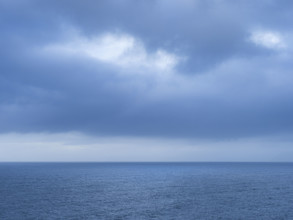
pixel 215 69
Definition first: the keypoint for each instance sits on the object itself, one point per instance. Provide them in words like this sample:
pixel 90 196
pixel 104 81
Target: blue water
pixel 146 191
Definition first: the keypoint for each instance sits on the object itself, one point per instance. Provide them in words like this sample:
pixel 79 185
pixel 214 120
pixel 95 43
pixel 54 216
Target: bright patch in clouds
pixel 118 49
pixel 268 39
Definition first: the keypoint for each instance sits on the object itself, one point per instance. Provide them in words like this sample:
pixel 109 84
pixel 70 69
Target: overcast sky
pixel 146 80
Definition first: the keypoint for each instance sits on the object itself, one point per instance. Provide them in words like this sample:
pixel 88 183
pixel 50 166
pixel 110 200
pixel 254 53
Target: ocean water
pixel 146 191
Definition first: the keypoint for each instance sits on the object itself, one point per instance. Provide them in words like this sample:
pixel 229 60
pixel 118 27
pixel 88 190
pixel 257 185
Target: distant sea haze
pixel 146 191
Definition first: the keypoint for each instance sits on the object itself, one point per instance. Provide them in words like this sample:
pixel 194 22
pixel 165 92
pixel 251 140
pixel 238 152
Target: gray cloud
pixel 225 87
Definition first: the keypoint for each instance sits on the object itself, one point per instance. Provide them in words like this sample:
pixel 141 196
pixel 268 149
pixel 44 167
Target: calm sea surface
pixel 146 191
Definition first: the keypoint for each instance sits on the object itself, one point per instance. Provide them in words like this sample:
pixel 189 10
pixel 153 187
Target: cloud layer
pixel 215 69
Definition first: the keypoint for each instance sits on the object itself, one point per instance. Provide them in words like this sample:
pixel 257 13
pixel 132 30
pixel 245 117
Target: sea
pixel 146 191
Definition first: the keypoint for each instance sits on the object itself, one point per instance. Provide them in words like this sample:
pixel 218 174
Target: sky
pixel 146 80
